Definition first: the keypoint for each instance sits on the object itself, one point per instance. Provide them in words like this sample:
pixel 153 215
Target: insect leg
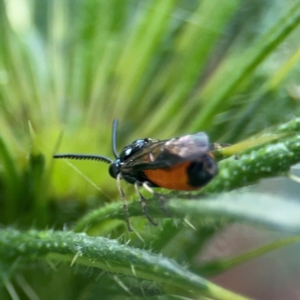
pixel 143 204
pixel 125 207
pixel 162 199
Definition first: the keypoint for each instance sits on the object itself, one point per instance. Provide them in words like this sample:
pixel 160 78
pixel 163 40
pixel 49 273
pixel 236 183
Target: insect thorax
pixel 134 147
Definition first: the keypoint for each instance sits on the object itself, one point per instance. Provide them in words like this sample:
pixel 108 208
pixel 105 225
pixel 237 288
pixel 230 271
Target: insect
pixel 183 163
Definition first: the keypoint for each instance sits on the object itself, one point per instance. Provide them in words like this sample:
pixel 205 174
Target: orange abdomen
pixel 173 178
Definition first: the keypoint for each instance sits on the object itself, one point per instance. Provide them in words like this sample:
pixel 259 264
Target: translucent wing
pixel 166 153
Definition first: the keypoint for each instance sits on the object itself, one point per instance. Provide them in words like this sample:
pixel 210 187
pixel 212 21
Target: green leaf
pixel 99 252
pixel 219 266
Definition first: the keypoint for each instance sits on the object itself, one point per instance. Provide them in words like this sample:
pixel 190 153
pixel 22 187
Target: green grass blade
pixel 199 35
pixel 217 92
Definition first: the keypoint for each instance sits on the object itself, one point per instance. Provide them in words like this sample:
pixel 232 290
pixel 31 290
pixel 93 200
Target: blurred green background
pixel 163 68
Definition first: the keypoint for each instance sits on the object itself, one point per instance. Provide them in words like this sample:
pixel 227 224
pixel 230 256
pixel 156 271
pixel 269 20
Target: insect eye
pixel 114 169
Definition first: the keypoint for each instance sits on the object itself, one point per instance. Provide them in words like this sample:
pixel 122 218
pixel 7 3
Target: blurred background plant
pixel 163 68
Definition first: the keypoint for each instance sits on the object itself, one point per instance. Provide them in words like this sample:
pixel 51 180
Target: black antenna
pixel 84 156
pixel 114 138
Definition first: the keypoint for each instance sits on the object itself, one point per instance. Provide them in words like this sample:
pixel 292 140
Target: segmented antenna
pixel 114 138
pixel 84 156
